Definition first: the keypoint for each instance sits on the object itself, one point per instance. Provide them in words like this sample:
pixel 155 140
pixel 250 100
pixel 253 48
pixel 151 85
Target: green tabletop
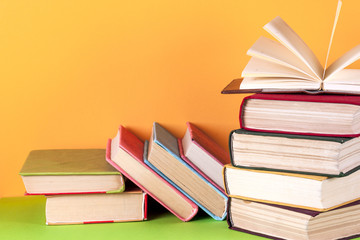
pixel 24 218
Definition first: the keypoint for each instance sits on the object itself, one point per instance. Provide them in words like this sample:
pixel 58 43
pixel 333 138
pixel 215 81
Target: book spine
pixel 145 205
pixel 91 222
pixel 241 112
pixel 231 149
pixel 225 183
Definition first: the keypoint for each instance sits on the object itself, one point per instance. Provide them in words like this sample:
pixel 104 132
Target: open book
pixel 290 65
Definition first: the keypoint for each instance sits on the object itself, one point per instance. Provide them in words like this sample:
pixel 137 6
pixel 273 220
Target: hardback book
pixel 289 65
pixel 130 205
pixel 164 158
pixel 318 155
pixel 204 155
pixel 125 152
pixel 278 222
pixel 325 115
pixel 70 171
pixel 312 192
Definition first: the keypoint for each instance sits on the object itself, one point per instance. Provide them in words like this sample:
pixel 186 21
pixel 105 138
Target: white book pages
pixel 280 30
pixel 278 83
pixel 342 62
pixel 257 67
pixel 345 80
pixel 273 51
pixel 332 34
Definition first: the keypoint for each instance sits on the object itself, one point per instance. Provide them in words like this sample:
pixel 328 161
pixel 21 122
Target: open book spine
pixel 108 159
pixel 354 100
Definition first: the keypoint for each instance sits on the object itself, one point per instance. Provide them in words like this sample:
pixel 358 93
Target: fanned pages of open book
pixel 289 65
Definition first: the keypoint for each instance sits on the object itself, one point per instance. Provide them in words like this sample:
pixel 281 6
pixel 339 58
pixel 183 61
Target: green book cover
pixel 67 162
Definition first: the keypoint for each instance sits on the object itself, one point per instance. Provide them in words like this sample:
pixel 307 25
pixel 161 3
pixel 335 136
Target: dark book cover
pixel 299 210
pixel 291 136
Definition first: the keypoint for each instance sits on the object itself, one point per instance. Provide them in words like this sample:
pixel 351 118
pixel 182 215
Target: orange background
pixel 73 71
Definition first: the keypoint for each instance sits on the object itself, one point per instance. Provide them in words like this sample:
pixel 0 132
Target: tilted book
pixel 164 158
pixel 125 152
pixel 204 155
pixel 324 115
pixel 312 192
pixel 279 222
pixel 289 65
pixel 128 206
pixel 70 171
pixel 317 155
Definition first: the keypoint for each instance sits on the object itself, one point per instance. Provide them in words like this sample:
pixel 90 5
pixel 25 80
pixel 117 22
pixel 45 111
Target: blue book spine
pixel 180 189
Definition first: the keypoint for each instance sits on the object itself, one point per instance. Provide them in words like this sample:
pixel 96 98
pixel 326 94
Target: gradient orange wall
pixel 73 71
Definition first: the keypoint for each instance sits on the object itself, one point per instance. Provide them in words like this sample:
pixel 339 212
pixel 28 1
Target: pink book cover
pixel 181 151
pixel 342 99
pixel 208 145
pixel 135 148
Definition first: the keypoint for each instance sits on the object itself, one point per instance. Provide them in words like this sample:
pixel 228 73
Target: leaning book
pixel 204 155
pixel 125 152
pixel 163 157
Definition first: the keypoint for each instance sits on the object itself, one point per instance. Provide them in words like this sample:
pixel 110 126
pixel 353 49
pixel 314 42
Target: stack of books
pixel 81 187
pixel 294 170
pixel 181 174
pixel 88 185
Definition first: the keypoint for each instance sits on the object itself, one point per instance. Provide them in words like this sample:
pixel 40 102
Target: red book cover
pixel 209 147
pixel 138 172
pixel 208 144
pixel 181 151
pixel 336 99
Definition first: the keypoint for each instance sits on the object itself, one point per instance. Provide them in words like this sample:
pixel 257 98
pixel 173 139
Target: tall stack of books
pixel 294 170
pixel 81 187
